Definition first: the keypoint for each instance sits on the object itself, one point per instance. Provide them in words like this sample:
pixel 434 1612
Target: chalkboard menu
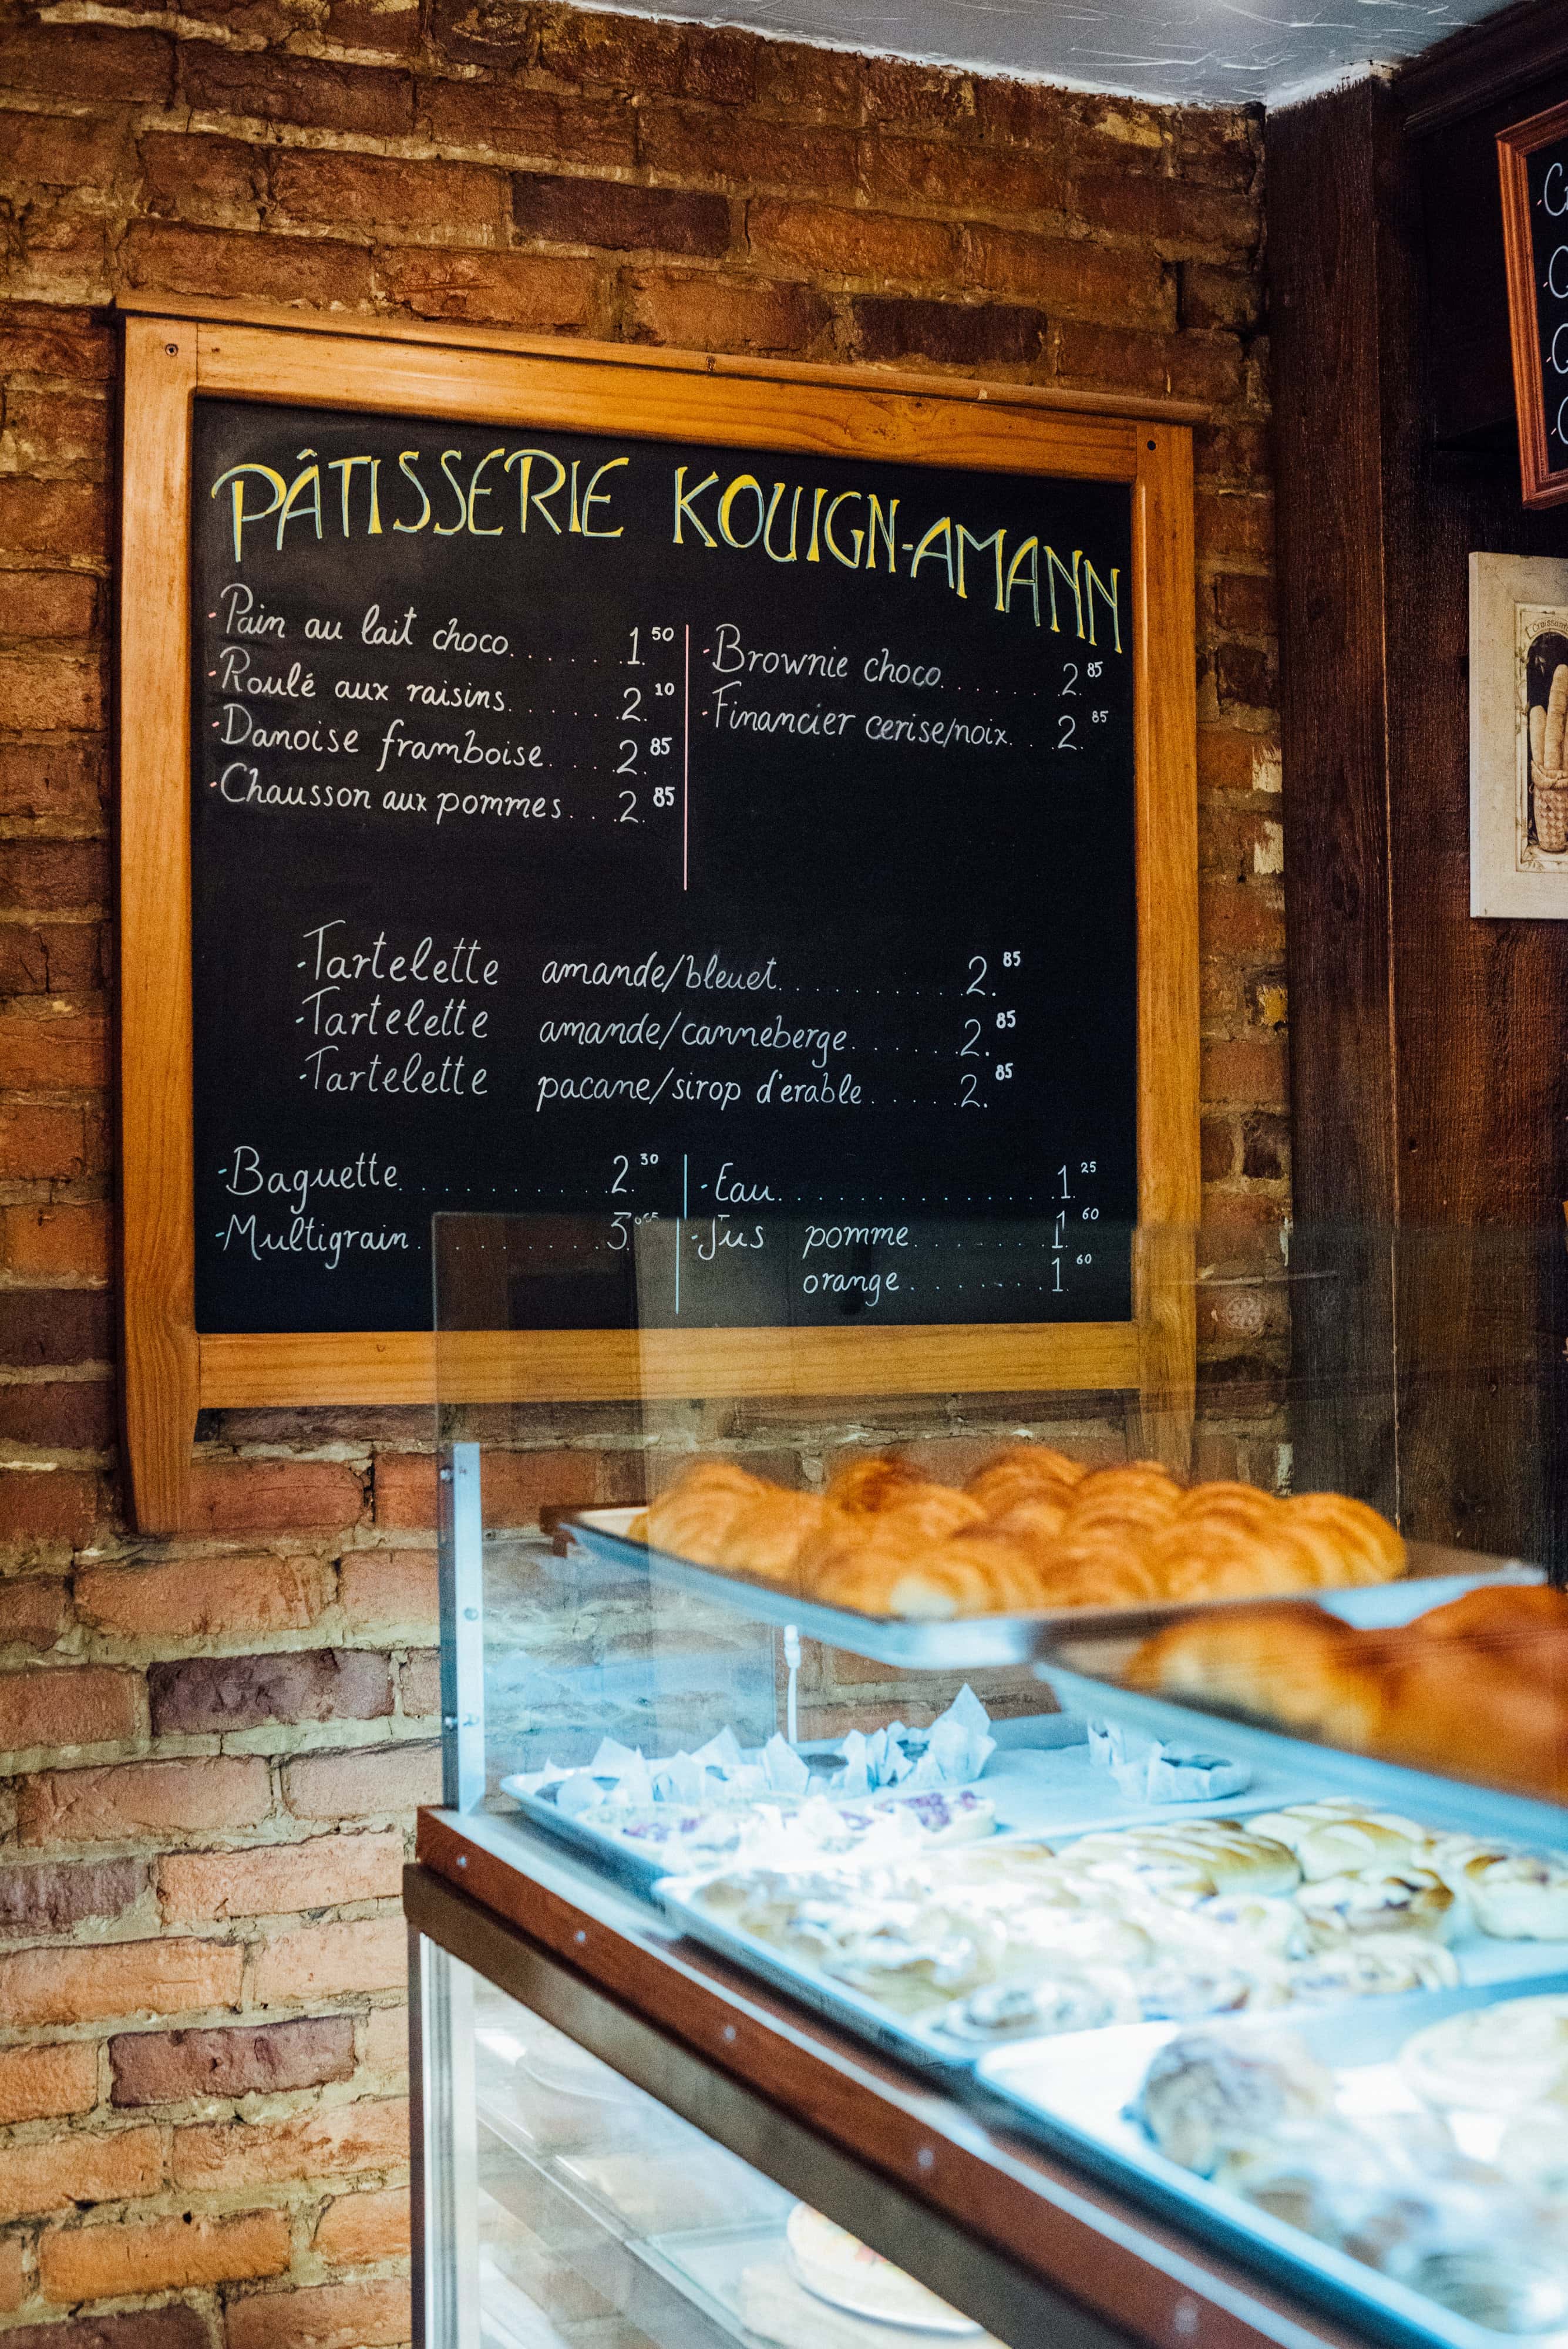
pixel 1533 157
pixel 618 829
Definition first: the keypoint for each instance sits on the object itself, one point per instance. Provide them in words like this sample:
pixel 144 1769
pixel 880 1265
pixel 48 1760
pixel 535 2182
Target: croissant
pixel 1133 1500
pixel 767 1536
pixel 867 1487
pixel 974 1574
pixel 1525 1625
pixel 694 1517
pixel 1295 1666
pixel 1197 1559
pixel 1024 1472
pixel 1370 1548
pixel 1039 1522
pixel 928 1516
pixel 1105 1572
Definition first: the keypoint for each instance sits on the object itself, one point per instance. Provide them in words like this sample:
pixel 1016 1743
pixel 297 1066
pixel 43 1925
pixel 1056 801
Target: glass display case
pixel 1025 1843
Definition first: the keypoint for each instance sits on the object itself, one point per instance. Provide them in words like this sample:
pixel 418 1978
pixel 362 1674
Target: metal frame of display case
pixel 1030 2247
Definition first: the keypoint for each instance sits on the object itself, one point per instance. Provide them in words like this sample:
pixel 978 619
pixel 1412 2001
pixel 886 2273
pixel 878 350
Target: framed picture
pixel 1533 159
pixel 1518 737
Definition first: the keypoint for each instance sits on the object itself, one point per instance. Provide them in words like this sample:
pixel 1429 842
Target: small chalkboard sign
pixel 744 823
pixel 1534 160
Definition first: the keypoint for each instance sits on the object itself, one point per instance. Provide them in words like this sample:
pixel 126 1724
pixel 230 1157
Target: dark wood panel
pixel 1327 328
pixel 1513 51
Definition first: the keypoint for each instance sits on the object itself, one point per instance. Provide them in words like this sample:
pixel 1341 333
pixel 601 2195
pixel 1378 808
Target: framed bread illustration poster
pixel 1518 737
pixel 1532 158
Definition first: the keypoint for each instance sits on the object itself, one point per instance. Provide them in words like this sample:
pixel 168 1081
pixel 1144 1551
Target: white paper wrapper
pixel 1148 1771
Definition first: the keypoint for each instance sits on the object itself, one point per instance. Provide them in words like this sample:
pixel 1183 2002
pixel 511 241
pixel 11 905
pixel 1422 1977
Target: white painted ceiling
pixel 1202 52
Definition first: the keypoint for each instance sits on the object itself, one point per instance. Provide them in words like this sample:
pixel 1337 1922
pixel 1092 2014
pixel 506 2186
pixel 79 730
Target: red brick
pixel 90 2166
pixel 117 1978
pixel 42 517
pixel 1218 145
pixel 370 2316
pixel 1175 218
pixel 92 1706
pixel 51 1898
pixel 51 957
pixel 383 191
pixel 47 603
pixel 1072 279
pixel 1246 1069
pixel 360 2228
pixel 548 293
pixel 39 1326
pixel 331 1961
pixel 62 778
pixel 1024 113
pixel 46 1505
pixel 640 54
pixel 1227 299
pixel 1247 676
pixel 1244 602
pixel 1234 525
pixel 217 2157
pixel 35 1608
pixel 1265 1148
pixel 224 1598
pixel 42 1143
pixel 714 146
pixel 319 1873
pixel 312 91
pixel 38 339
pixel 224 1693
pixel 55 431
pixel 954 334
pixel 166 2255
pixel 1228 760
pixel 15 2285
pixel 71 61
pixel 66 1414
pixel 1218 1149
pixel 967 180
pixel 175 2067
pixel 384 2041
pixel 174 2326
pixel 133 1798
pixel 200 177
pixel 607 212
pixel 841 244
pixel 924 98
pixel 405 1491
pixel 421 1686
pixel 821 85
pixel 379 1588
pixel 41 875
pixel 314 270
pixel 1187 367
pixel 1241 919
pixel 270 1494
pixel 53 1051
pixel 511 121
pixel 696 310
pixel 60 151
pixel 39 2083
pixel 364 1782
pixel 390 26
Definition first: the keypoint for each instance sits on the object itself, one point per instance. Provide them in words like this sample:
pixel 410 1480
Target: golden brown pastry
pixel 1134 1500
pixel 898 1573
pixel 769 1531
pixel 1039 1522
pixel 1024 1472
pixel 694 1517
pixel 1370 1546
pixel 1473 1715
pixel 867 1487
pixel 1100 1570
pixel 1223 1498
pixel 1295 1666
pixel 1198 1558
pixel 1526 1624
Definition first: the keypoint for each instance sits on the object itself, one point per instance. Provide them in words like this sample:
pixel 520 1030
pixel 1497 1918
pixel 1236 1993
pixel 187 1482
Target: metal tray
pixel 1072 2091
pixel 967 1642
pixel 913 2043
pixel 1480 1811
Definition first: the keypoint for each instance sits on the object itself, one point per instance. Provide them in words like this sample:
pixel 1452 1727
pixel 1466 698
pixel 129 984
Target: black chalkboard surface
pixel 618 829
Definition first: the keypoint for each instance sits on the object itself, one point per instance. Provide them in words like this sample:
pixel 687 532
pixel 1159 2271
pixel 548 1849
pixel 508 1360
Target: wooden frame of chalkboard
pixel 174 355
pixel 1531 298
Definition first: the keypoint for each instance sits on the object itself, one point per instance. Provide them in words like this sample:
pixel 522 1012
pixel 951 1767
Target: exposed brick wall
pixel 215 1743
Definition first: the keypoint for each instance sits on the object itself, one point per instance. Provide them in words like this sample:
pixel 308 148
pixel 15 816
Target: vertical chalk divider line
pixel 686 771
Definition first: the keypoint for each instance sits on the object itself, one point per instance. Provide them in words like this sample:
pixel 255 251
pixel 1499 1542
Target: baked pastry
pixel 1022 2009
pixel 1340 1834
pixel 847 2273
pixel 1492 2058
pixel 1207 1856
pixel 1293 1665
pixel 1374 1965
pixel 867 1487
pixel 1411 1899
pixel 898 1571
pixel 1370 1549
pixel 1099 1569
pixel 1528 1622
pixel 1203 2096
pixel 1130 1503
pixel 1473 1714
pixel 767 1533
pixel 1024 1472
pixel 1038 1521
pixel 1222 1557
pixel 1534 2150
pixel 1513 1896
pixel 694 1517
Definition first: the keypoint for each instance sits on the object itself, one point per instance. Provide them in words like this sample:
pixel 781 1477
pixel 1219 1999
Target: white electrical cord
pixel 792 1664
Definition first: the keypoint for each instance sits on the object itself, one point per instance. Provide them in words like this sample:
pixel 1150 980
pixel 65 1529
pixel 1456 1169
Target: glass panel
pixel 606 2221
